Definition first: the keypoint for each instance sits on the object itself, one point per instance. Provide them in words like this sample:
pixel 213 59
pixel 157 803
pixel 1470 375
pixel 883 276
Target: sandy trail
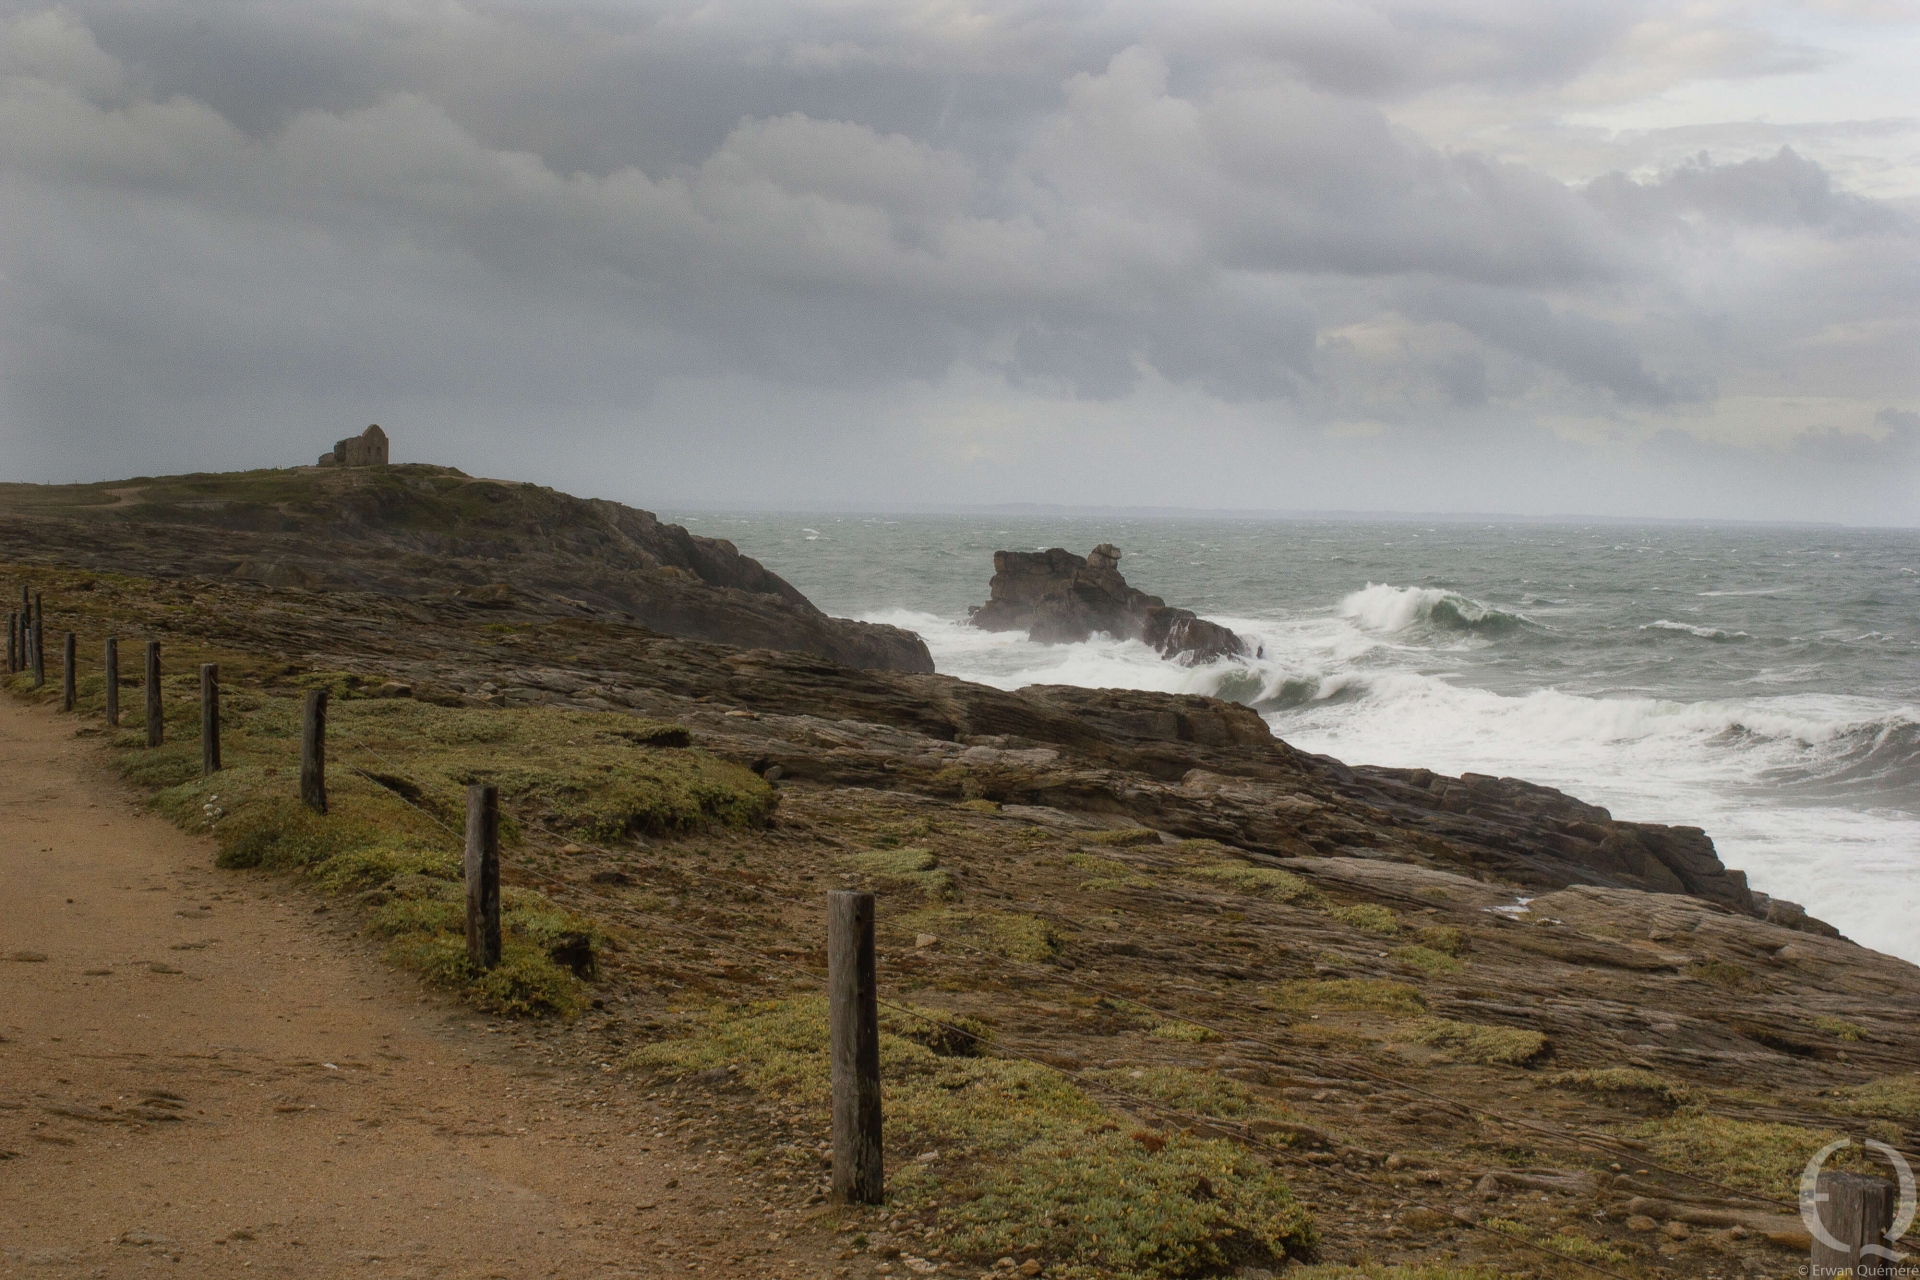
pixel 206 1073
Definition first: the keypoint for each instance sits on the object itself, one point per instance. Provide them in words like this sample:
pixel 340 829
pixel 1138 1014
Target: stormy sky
pixel 1453 255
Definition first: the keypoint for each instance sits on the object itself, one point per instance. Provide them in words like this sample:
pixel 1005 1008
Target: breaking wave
pixel 1382 607
pixel 1705 633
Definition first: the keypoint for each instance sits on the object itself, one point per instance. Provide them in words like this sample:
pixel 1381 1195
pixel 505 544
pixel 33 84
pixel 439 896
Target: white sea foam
pixel 1761 774
pixel 1705 633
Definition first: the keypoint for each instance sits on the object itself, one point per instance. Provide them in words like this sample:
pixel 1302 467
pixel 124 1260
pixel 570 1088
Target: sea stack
pixel 1057 597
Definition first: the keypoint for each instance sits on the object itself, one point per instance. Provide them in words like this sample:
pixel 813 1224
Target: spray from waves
pixel 1705 633
pixel 1321 680
pixel 1810 745
pixel 1813 795
pixel 1382 607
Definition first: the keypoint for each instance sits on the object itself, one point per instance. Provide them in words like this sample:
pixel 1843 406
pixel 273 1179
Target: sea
pixel 1762 682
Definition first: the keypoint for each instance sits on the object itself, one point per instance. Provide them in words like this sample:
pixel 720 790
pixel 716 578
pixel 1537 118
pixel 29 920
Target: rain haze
pixel 1633 259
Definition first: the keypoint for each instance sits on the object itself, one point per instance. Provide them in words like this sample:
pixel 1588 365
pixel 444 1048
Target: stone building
pixel 368 449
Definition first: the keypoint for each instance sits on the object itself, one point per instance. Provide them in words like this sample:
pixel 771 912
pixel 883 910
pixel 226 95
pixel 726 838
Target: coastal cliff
pixel 415 531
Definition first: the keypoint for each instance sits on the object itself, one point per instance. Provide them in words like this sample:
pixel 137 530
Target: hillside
pixel 415 530
pixel 1165 997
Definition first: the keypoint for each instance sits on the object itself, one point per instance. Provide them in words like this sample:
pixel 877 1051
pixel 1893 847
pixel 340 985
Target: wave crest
pixel 1705 633
pixel 1381 606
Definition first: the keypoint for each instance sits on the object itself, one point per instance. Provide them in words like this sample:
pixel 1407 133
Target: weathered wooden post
pixel 483 875
pixel 209 718
pixel 156 715
pixel 39 642
pixel 13 643
pixel 313 752
pixel 113 682
pixel 1856 1210
pixel 853 1030
pixel 69 678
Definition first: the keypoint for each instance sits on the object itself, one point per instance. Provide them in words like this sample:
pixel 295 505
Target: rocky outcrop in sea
pixel 1057 597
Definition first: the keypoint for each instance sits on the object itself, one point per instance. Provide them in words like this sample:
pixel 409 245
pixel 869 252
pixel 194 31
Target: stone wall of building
pixel 368 449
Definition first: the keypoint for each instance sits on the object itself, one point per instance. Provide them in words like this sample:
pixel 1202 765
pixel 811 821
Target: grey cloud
pixel 1784 190
pixel 1585 349
pixel 217 216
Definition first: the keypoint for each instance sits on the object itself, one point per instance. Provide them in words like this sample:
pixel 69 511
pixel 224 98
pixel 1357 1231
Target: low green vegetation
pixel 948 1034
pixel 1752 1155
pixel 1889 1097
pixel 1025 1158
pixel 1838 1028
pixel 1623 1082
pixel 1108 873
pixel 1721 973
pixel 1013 934
pixel 1444 938
pixel 1018 936
pixel 1196 1092
pixel 424 919
pixel 1586 1249
pixel 1266 882
pixel 917 870
pixel 1368 917
pixel 1471 1042
pixel 1427 961
pixel 1189 1032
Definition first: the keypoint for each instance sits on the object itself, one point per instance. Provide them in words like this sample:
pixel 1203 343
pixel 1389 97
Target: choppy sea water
pixel 1763 683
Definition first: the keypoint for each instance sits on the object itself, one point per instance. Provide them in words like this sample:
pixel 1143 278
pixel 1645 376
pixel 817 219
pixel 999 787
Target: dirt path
pixel 206 1073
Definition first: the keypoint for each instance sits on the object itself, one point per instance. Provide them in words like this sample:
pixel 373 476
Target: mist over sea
pixel 1762 683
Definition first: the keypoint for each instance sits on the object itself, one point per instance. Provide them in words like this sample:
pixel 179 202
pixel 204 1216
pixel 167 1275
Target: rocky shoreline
pixel 1433 1003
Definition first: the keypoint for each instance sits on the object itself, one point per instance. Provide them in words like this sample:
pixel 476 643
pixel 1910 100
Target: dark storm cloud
pixel 245 224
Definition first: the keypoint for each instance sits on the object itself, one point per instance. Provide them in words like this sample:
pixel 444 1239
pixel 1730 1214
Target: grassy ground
pixel 1011 1156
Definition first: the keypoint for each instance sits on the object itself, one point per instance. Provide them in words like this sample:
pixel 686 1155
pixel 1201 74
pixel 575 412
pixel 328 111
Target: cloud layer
pixel 891 254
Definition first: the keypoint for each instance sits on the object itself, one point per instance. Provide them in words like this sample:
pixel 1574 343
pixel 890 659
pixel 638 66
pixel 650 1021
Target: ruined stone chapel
pixel 368 449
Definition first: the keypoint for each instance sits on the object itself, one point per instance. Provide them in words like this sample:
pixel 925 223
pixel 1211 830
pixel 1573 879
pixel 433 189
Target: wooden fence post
pixel 113 682
pixel 156 714
pixel 853 1030
pixel 313 752
pixel 39 642
pixel 483 875
pixel 69 678
pixel 209 718
pixel 13 643
pixel 1857 1210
